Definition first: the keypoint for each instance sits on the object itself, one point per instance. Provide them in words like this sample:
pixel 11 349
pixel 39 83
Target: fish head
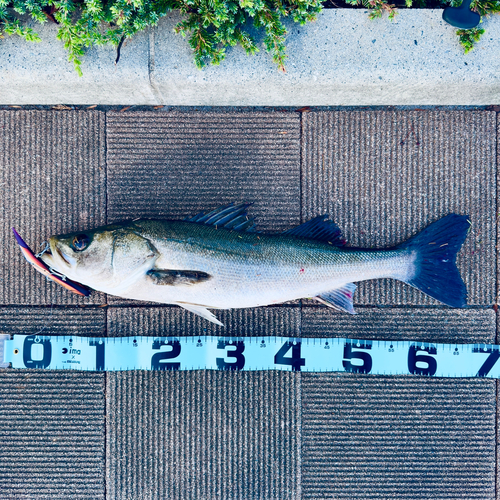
pixel 80 256
pixel 102 258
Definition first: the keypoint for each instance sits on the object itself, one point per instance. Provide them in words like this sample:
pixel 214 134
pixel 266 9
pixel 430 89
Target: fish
pixel 217 260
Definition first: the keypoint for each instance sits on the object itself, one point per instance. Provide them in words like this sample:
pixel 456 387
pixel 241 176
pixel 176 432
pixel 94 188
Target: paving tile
pixel 202 434
pixel 52 422
pixel 426 324
pixel 175 164
pixel 385 175
pixel 497 436
pixel 397 437
pixel 175 321
pixel 88 321
pixel 498 209
pixel 367 437
pixel 52 181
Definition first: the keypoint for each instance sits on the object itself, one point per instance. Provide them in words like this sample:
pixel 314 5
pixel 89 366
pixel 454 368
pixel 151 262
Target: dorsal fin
pixel 229 216
pixel 321 229
pixel 340 299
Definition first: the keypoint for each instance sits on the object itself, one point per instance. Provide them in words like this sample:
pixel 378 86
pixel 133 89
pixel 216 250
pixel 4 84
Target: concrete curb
pixel 342 59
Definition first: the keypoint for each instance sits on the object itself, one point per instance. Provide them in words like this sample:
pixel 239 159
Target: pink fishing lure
pixel 41 267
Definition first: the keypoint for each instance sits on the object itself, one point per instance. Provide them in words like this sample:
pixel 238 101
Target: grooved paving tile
pixel 173 321
pixel 463 326
pixel 498 318
pixel 51 422
pixel 367 437
pixel 202 434
pixel 497 482
pixel 88 321
pixel 175 164
pixel 52 181
pixel 397 437
pixel 498 213
pixel 385 175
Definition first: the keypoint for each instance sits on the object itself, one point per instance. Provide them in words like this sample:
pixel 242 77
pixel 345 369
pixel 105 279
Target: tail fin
pixel 436 248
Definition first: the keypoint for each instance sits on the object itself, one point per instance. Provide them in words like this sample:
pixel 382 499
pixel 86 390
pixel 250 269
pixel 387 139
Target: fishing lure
pixel 41 267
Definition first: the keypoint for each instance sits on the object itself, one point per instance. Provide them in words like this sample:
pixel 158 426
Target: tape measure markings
pixel 377 357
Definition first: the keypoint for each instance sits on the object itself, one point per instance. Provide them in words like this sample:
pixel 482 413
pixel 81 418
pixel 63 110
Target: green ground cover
pixel 209 25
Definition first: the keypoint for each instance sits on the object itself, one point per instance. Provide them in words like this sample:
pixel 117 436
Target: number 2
pixel 158 358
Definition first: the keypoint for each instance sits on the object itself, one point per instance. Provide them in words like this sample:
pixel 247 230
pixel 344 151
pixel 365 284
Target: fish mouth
pixel 63 256
pixel 67 259
pixel 49 257
pixel 54 257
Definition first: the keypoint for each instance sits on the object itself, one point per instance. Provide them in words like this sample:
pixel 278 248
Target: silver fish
pixel 218 261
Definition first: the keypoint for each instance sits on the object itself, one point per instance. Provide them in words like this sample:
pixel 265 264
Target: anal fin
pixel 340 298
pixel 201 311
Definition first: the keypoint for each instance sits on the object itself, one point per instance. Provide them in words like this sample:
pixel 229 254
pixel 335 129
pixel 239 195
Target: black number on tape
pixel 489 362
pixel 222 364
pixel 44 347
pixel 414 358
pixel 156 359
pixel 295 361
pixel 99 353
pixel 349 354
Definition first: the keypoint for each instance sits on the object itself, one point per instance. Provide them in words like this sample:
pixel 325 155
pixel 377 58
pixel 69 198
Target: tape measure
pixel 377 357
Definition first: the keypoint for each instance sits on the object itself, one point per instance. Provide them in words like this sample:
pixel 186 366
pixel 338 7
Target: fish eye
pixel 80 242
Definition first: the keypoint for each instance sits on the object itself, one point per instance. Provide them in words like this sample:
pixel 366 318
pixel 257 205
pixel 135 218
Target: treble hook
pixel 46 249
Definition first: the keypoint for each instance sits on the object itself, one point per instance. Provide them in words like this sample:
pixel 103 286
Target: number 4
pixel 295 361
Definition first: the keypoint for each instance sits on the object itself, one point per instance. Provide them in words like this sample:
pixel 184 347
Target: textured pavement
pixel 382 176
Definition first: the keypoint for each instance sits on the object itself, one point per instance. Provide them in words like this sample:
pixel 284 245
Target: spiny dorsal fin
pixel 321 229
pixel 229 216
pixel 340 298
pixel 176 277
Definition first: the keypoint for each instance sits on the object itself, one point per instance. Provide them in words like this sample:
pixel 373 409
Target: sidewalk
pixel 342 59
pixel 381 175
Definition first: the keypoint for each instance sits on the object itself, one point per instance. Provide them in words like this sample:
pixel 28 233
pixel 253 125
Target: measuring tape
pixel 377 357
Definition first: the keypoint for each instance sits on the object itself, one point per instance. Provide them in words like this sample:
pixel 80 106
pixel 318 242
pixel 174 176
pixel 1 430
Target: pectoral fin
pixel 340 299
pixel 175 277
pixel 201 311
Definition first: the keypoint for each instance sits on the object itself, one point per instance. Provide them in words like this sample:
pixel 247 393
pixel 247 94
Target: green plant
pixel 376 6
pixel 210 25
pixel 468 37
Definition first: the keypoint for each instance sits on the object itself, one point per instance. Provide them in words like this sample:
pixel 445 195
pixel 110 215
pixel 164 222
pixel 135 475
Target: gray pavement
pixel 382 175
